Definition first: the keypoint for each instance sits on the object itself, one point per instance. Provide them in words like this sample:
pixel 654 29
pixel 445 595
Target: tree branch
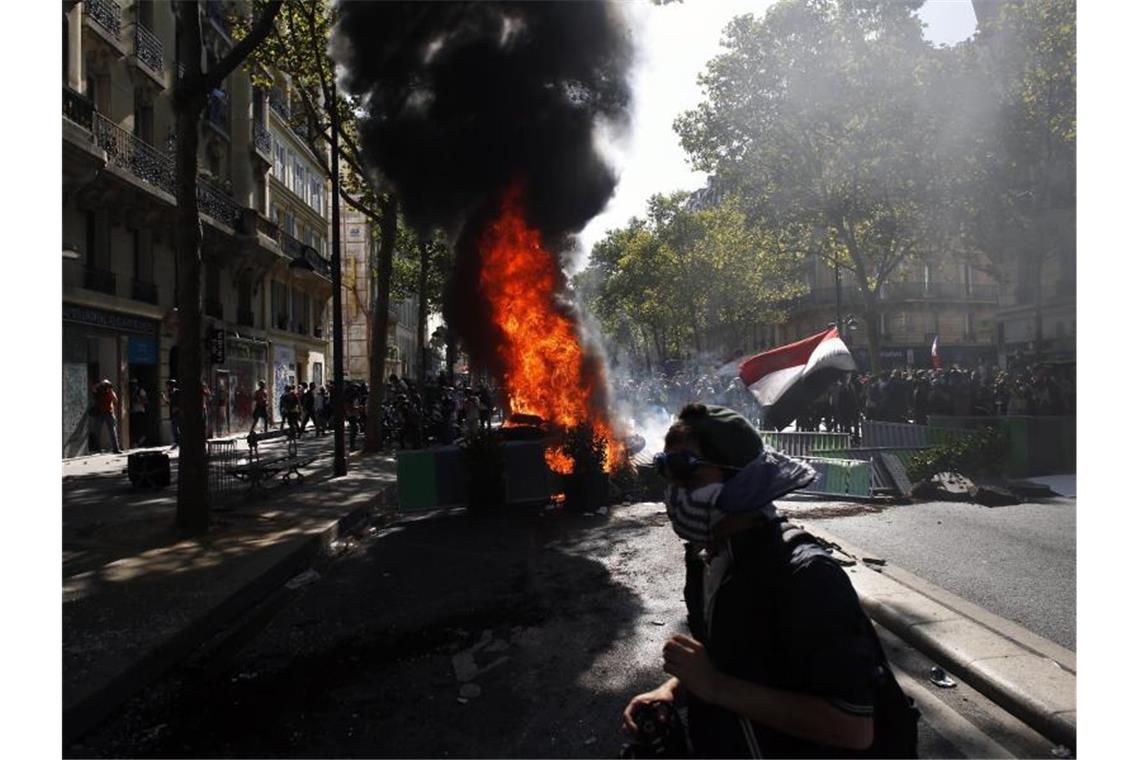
pixel 212 79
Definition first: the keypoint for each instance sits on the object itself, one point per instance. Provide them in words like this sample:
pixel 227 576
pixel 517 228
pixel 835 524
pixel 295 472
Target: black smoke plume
pixel 462 99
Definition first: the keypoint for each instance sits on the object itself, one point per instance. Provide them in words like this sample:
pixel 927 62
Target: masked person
pixel 782 661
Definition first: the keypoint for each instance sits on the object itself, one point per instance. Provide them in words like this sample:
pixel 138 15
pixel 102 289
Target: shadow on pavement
pixel 368 660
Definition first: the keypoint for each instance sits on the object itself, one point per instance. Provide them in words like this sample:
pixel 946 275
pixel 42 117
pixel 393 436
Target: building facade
pixel 953 301
pixel 119 270
pixel 357 288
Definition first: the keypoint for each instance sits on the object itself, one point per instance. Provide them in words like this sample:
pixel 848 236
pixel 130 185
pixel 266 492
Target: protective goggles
pixel 682 464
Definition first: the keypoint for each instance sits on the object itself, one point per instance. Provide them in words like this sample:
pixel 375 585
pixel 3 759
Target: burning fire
pixel 545 374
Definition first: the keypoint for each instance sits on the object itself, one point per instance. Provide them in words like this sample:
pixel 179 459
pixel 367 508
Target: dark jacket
pixel 787 617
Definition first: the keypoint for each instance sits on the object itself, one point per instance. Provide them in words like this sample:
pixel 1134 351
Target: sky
pixel 674 43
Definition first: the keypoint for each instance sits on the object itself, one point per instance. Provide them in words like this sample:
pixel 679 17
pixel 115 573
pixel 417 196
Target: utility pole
pixel 838 301
pixel 340 464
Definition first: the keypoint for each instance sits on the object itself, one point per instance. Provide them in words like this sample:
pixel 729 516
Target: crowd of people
pixel 898 395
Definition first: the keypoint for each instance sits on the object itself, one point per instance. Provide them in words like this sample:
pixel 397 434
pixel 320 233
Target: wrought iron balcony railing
pixel 78 108
pixel 278 103
pixel 147 292
pixel 148 49
pixel 127 151
pixel 245 317
pixel 304 255
pixel 213 201
pixel 261 141
pixel 102 280
pixel 105 13
pixel 212 307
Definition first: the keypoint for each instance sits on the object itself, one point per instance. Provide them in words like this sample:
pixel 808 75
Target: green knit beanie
pixel 725 436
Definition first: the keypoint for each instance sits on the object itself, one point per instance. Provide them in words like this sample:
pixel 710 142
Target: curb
pixel 1030 677
pixel 89 709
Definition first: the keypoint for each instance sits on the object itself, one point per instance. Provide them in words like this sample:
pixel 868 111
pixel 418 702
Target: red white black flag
pixel 786 379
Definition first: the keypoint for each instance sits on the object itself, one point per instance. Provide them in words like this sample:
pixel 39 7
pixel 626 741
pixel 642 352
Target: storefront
pixel 284 373
pixel 234 382
pixel 100 344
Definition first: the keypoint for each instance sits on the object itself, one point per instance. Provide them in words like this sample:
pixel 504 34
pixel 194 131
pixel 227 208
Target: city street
pixel 521 635
pixel 1019 562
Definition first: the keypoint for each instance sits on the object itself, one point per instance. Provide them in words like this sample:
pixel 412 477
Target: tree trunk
pixel 422 316
pixel 193 512
pixel 379 345
pixel 871 321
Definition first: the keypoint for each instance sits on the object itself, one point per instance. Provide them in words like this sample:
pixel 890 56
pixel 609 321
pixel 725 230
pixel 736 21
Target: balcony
pixel 953 291
pixel 245 317
pixel 78 108
pixel 262 144
pixel 218 111
pixel 107 15
pixel 304 256
pixel 212 307
pixel 279 104
pixel 148 50
pixel 128 152
pixel 101 280
pixel 214 201
pixel 147 292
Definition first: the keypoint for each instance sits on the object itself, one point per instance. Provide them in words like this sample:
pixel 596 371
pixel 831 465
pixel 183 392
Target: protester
pixel 106 401
pixel 781 660
pixel 308 407
pixel 292 407
pixel 320 410
pixel 260 408
pixel 139 405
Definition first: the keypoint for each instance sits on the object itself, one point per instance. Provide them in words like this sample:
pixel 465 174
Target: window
pixel 144 119
pixel 298 178
pixel 290 224
pixel 280 160
pixel 316 195
pixel 280 305
pixel 143 260
pixel 89 243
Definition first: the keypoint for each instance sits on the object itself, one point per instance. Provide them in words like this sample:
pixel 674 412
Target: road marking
pixel 953 727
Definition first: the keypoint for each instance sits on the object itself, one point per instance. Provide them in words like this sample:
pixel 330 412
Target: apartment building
pixel 265 286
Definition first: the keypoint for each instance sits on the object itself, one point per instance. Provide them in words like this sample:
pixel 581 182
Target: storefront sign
pixel 246 350
pixel 142 350
pixel 108 319
pixel 216 346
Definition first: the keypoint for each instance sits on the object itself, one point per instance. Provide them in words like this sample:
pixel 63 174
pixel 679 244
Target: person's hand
pixel 686 658
pixel 663 693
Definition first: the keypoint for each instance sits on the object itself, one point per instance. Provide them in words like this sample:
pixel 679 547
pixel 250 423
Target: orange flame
pixel 545 373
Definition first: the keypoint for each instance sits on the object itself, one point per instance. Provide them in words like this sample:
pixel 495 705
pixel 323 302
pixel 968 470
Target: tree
pixel 190 94
pixel 299 47
pixel 822 117
pixel 686 279
pixel 424 274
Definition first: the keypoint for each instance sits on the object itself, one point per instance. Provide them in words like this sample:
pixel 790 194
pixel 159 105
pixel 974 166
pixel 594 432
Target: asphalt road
pixel 515 636
pixel 1018 562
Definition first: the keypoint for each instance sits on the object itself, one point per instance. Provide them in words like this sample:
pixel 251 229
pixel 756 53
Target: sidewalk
pixel 137 597
pixel 1031 677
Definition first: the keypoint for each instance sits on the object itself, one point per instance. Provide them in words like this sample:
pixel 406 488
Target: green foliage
pixel 665 283
pixel 979 452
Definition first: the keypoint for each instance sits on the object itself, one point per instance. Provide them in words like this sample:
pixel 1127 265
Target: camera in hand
pixel 659 732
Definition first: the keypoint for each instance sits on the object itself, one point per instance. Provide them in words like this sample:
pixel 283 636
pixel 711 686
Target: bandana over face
pixel 693 512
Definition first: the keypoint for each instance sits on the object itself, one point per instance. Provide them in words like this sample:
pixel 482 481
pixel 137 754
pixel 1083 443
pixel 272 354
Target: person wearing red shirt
pixel 105 402
pixel 260 408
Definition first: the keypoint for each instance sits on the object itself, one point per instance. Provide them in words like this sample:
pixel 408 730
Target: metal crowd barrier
pixel 804 444
pixel 221 456
pixel 894 435
pixel 853 478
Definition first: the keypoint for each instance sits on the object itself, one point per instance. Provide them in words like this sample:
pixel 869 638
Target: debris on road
pixel 939 678
pixel 303 579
